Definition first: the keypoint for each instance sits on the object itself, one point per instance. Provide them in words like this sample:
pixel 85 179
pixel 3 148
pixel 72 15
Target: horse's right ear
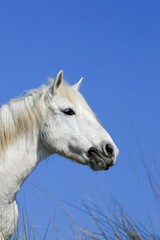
pixel 57 84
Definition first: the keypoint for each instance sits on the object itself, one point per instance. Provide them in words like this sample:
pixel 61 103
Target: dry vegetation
pixel 116 226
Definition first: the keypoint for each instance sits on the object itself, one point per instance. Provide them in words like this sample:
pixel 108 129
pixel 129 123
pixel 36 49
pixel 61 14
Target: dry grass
pixel 117 225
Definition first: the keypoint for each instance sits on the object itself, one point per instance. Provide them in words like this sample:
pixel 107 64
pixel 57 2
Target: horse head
pixel 71 129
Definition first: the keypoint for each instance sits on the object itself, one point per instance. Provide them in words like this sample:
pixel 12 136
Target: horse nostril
pixel 109 149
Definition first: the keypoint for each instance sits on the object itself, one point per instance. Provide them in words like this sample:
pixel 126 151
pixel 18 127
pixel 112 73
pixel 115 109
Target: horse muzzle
pixel 102 159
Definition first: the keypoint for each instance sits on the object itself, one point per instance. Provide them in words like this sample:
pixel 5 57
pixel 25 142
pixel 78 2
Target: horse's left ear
pixel 57 83
pixel 78 84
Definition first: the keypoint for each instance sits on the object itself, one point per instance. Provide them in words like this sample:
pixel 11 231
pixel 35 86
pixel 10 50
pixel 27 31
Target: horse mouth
pixel 99 160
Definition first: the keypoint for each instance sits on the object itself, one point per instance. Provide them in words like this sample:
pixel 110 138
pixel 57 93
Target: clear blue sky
pixel 115 46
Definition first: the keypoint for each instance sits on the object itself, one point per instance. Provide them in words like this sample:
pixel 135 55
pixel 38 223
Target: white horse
pixel 54 118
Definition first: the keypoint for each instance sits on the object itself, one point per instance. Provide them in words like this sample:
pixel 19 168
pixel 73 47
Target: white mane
pixel 20 115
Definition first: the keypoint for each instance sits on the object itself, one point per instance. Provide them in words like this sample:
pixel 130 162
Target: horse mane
pixel 20 115
pixel 24 113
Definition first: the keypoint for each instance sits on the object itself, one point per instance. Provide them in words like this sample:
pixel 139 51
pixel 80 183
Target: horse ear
pixel 57 83
pixel 78 84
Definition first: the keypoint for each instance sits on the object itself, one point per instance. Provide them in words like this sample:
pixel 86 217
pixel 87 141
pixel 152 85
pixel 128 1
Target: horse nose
pixel 109 150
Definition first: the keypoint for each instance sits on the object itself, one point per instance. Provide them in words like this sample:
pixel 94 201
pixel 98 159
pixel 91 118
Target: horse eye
pixel 69 111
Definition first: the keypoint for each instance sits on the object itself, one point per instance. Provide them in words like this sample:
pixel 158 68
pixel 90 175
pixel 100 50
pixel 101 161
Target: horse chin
pixel 98 164
pixel 98 168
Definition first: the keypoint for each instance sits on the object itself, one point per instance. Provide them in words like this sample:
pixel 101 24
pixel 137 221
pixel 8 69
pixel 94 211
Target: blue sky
pixel 115 46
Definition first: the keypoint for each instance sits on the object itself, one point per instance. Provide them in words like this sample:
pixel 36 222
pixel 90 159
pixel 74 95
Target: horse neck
pixel 21 157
